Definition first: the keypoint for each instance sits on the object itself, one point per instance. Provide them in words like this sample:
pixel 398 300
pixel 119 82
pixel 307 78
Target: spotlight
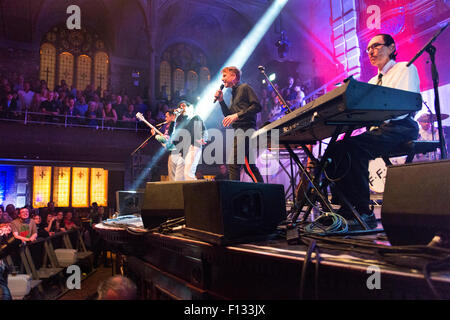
pixel 283 45
pixel 272 77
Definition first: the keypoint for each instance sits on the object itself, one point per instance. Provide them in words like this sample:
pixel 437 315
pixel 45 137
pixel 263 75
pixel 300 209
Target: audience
pixel 117 288
pixel 24 228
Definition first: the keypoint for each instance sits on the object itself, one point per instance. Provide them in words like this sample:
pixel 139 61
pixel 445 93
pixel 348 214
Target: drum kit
pixel 377 167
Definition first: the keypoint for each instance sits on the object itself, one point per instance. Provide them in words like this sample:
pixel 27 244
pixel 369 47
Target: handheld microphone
pixel 221 88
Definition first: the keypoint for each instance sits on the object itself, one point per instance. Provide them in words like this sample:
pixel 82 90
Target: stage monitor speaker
pixel 162 201
pixel 416 202
pixel 129 202
pixel 224 212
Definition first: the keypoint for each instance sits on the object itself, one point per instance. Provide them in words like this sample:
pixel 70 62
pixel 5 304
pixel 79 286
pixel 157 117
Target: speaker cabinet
pixel 416 202
pixel 162 201
pixel 129 202
pixel 223 212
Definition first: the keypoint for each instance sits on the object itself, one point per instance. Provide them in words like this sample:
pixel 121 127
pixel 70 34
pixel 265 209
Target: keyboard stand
pixel 316 185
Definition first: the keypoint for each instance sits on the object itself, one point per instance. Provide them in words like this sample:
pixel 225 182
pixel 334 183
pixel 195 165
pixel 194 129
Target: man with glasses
pixel 349 158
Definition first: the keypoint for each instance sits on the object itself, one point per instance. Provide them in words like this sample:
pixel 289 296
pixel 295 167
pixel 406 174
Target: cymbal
pixel 426 117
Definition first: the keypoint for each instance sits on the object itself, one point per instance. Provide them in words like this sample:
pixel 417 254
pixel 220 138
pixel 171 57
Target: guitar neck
pixel 141 117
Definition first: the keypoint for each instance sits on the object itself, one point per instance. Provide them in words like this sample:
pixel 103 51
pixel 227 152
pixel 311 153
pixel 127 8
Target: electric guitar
pixel 160 137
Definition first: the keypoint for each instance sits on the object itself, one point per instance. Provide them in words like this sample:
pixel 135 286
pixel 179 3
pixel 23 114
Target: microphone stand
pixel 262 69
pixel 142 145
pixel 431 126
pixel 431 50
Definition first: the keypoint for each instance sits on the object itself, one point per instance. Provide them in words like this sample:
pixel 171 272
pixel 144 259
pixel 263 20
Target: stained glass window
pixel 41 186
pixel 165 77
pixel 61 186
pixel 66 68
pixel 192 81
pixel 99 186
pixel 205 77
pixel 178 80
pixel 83 71
pixel 48 64
pixel 80 186
pixel 101 62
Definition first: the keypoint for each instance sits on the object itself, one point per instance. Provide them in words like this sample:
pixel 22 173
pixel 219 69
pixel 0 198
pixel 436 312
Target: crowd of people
pixel 272 107
pixel 67 104
pixel 28 224
pixel 94 107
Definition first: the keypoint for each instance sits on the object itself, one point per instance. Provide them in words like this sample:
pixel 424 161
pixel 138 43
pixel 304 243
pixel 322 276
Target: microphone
pixel 221 88
pixel 261 68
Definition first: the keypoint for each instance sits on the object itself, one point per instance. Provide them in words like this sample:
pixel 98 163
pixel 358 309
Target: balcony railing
pixel 26 117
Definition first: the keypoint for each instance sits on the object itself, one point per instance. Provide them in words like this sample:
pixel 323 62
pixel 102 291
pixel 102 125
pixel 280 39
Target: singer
pixel 241 115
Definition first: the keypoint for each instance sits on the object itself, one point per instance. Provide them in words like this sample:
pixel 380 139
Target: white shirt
pixel 399 76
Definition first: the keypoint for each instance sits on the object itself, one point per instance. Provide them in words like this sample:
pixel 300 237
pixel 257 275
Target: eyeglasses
pixel 375 46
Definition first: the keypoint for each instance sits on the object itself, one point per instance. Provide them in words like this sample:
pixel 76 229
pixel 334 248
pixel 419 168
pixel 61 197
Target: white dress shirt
pixel 399 76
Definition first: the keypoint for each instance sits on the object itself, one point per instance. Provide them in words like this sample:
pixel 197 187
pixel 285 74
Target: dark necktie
pixel 380 82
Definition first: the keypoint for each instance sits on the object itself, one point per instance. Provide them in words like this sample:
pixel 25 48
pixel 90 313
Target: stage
pixel 176 267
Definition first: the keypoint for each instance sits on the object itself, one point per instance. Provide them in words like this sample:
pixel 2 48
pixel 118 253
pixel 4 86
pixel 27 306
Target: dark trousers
pixel 250 168
pixel 349 166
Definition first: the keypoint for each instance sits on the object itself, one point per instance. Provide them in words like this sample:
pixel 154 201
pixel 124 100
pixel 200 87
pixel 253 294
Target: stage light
pixel 272 77
pixel 283 45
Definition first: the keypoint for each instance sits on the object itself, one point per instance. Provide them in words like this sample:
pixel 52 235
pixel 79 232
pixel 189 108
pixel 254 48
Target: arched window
pixel 205 77
pixel 178 80
pixel 192 81
pixel 66 68
pixel 83 71
pixel 101 70
pixel 164 77
pixel 48 64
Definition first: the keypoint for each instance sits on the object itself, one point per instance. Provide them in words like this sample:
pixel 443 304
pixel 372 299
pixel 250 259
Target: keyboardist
pixel 349 158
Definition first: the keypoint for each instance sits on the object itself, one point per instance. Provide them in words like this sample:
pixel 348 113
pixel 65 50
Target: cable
pixel 341 177
pixel 326 224
pixel 311 247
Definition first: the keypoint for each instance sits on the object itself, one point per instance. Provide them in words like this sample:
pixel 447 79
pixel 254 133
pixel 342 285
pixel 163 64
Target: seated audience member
pixel 68 223
pixel 102 214
pixel 223 175
pixel 130 117
pixel 119 107
pixel 49 210
pixel 4 216
pixel 8 106
pixel 58 225
pixel 81 107
pixel 299 97
pixel 5 233
pixel 11 210
pixel 49 224
pixel 109 115
pixel 24 228
pixel 91 114
pixel 199 175
pixel 40 225
pixel 26 97
pixel 50 108
pixel 140 105
pixel 117 288
pixel 70 112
